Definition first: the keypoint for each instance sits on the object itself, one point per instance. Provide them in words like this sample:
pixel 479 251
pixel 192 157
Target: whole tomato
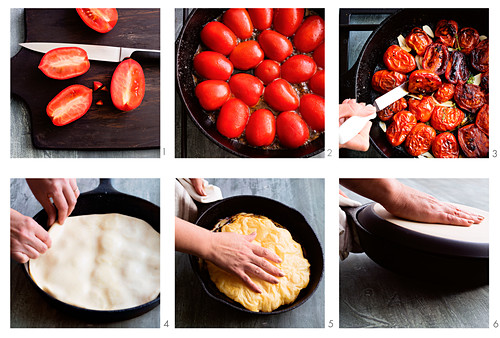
pixel 436 58
pixel 385 80
pixel 419 140
pixel 402 123
pixel 287 20
pixel 446 31
pixel 445 145
pixel 232 118
pixel 247 88
pixel 445 92
pixel 261 128
pixel 312 109
pixel 246 55
pixel 238 20
pixel 469 96
pixel 483 119
pixel 212 94
pixel 468 38
pixel 276 46
pixel 310 34
pixel 480 56
pixel 422 108
pixel 446 118
pixel 423 82
pixel 399 60
pixel 281 96
pixel 317 83
pixel 319 55
pixel 262 18
pixel 388 112
pixel 298 68
pixel 473 141
pixel 213 66
pixel 418 40
pixel 291 129
pixel 267 71
pixel 218 37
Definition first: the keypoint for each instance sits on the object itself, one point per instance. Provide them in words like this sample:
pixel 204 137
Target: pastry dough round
pixel 294 265
pixel 100 262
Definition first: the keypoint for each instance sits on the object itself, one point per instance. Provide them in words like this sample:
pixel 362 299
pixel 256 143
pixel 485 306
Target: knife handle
pixel 145 56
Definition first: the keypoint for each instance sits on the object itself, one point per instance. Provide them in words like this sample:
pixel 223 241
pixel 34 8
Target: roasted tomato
pixel 418 40
pixel 468 38
pixel 312 109
pixel 216 36
pixel 64 63
pixel 247 88
pixel 436 58
pixel 267 71
pixel 310 34
pixel 317 83
pixel 422 109
pixel 399 60
pixel 480 56
pixel 276 46
pixel 213 66
pixel 261 128
pixel 298 68
pixel 446 31
pixel 445 92
pixel 402 123
pixel 281 96
pixel 419 140
pixel 388 112
pixel 445 145
pixel 446 118
pixel 212 94
pixel 232 118
pixel 238 20
pixel 246 55
pixel 262 18
pixel 101 20
pixel 69 105
pixel 291 129
pixel 287 20
pixel 457 70
pixel 128 85
pixel 483 119
pixel 386 80
pixel 469 96
pixel 423 81
pixel 473 141
pixel 485 81
pixel 319 55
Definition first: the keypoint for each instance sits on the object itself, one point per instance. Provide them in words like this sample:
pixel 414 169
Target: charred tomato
pixel 423 82
pixel 468 38
pixel 483 119
pixel 422 109
pixel 446 31
pixel 419 139
pixel 387 113
pixel 69 105
pixel 445 145
pixel 445 92
pixel 402 123
pixel 435 58
pixel 469 96
pixel 386 80
pixel 418 40
pixel 480 56
pixel 399 60
pixel 446 118
pixel 473 141
pixel 457 71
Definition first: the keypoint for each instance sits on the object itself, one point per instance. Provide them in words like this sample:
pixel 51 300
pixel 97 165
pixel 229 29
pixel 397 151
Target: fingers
pixel 20 257
pixel 198 186
pixel 266 253
pixel 250 283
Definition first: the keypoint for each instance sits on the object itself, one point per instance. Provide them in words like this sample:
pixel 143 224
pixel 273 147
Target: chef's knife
pixel 97 52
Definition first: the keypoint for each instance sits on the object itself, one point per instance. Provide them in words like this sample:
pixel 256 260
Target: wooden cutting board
pixel 103 126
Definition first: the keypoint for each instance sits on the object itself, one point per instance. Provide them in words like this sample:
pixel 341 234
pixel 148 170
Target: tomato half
pixel 399 60
pixel 101 20
pixel 232 118
pixel 128 85
pixel 418 40
pixel 469 96
pixel 435 58
pixel 480 56
pixel 445 145
pixel 446 118
pixel 385 80
pixel 419 140
pixel 69 105
pixel 423 81
pixel 483 119
pixel 473 141
pixel 446 31
pixel 422 108
pixel 261 128
pixel 445 92
pixel 387 113
pixel 468 38
pixel 402 123
pixel 457 70
pixel 64 63
pixel 291 129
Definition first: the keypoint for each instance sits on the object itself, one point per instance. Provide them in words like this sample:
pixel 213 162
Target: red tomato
pixel 287 20
pixel 445 145
pixel 312 109
pixel 98 85
pixel 473 141
pixel 445 92
pixel 128 85
pixel 319 55
pixel 436 58
pixel 468 38
pixel 418 40
pixel 213 66
pixel 276 46
pixel 423 81
pixel 456 70
pixel 69 105
pixel 298 68
pixel 64 63
pixel 267 71
pixel 216 36
pixel 469 96
pixel 310 34
pixel 212 94
pixel 388 112
pixel 399 60
pixel 247 88
pixel 261 128
pixel 262 18
pixel 317 83
pixel 233 117
pixel 446 31
pixel 422 109
pixel 247 55
pixel 402 123
pixel 480 56
pixel 238 20
pixel 385 80
pixel 446 118
pixel 483 119
pixel 101 20
pixel 281 96
pixel 419 139
pixel 291 129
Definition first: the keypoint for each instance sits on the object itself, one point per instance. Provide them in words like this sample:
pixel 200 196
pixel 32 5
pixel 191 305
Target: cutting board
pixel 103 126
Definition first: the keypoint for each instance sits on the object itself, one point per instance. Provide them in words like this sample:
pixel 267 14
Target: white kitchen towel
pixel 213 193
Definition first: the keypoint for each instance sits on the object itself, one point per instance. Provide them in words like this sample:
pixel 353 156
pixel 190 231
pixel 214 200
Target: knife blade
pixel 95 52
pixel 390 97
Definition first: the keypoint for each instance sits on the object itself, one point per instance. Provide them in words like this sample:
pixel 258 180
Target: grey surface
pixel 371 296
pixel 194 308
pixel 28 308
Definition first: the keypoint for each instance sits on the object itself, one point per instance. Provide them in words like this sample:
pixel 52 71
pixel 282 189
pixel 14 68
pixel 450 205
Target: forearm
pixel 191 239
pixel 376 189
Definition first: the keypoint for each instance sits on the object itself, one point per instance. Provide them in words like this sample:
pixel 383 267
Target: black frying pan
pixel 102 200
pixel 186 46
pixel 287 217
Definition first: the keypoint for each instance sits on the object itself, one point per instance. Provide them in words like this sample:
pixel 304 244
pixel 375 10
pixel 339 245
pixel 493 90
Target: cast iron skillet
pixel 287 217
pixel 102 200
pixel 186 46
pixel 371 57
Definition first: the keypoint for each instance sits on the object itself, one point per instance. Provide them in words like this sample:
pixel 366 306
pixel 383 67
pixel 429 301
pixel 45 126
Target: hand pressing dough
pixel 100 262
pixel 294 265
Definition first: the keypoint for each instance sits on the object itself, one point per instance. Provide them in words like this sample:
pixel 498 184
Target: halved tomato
pixel 69 105
pixel 64 63
pixel 101 20
pixel 128 85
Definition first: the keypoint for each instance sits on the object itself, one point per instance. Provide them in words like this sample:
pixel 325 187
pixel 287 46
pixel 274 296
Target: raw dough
pixel 100 262
pixel 294 265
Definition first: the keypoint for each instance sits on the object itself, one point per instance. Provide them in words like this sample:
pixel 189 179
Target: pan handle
pixel 104 187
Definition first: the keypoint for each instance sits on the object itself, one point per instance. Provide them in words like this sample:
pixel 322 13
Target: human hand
pixel 27 238
pixel 198 186
pixel 64 193
pixel 349 108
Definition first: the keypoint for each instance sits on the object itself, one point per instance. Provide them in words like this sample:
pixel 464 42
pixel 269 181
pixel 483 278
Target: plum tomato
pixel 246 55
pixel 446 118
pixel 422 109
pixel 388 112
pixel 298 68
pixel 445 92
pixel 212 94
pixel 101 20
pixel 312 109
pixel 423 82
pixel 436 58
pixel 446 31
pixel 310 34
pixel 457 70
pixel 281 96
pixel 385 80
pixel 267 71
pixel 468 38
pixel 238 20
pixel 69 105
pixel 399 60
pixel 402 123
pixel 483 119
pixel 276 46
pixel 317 83
pixel 419 139
pixel 261 128
pixel 213 66
pixel 128 85
pixel 418 40
pixel 291 129
pixel 445 145
pixel 473 141
pixel 469 96
pixel 247 88
pixel 319 55
pixel 232 118
pixel 218 37
pixel 262 18
pixel 287 20
pixel 64 63
pixel 480 56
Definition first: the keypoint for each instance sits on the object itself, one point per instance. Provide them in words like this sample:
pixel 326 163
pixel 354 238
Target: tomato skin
pixel 402 123
pixel 218 37
pixel 246 55
pixel 287 20
pixel 480 56
pixel 101 20
pixel 310 34
pixel 457 70
pixel 388 112
pixel 261 128
pixel 446 118
pixel 418 40
pixel 485 81
pixel 317 83
pixel 232 118
pixel 445 145
pixel 469 96
pixel 276 46
pixel 473 141
pixel 262 18
pixel 267 71
pixel 483 119
pixel 291 129
pixel 446 31
pixel 422 108
pixel 419 139
pixel 247 88
pixel 423 82
pixel 213 66
pixel 385 80
pixel 399 60
pixel 468 38
pixel 298 68
pixel 319 55
pixel 69 105
pixel 312 109
pixel 75 60
pixel 238 20
pixel 212 94
pixel 281 96
pixel 445 92
pixel 128 85
pixel 436 58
